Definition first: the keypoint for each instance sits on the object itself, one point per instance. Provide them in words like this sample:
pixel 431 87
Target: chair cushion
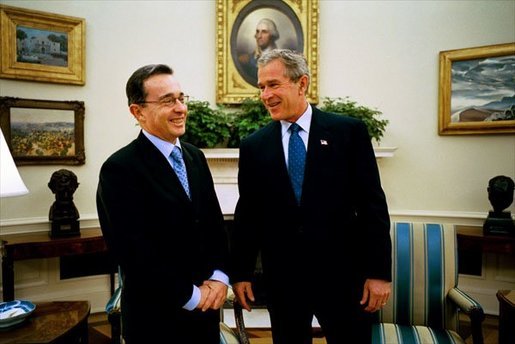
pixel 424 270
pixel 399 334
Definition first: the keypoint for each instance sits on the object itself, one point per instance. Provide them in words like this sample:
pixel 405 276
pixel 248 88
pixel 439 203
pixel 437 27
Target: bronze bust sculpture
pixel 63 213
pixel 500 194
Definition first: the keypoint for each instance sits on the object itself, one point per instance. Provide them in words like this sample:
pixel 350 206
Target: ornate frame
pixel 472 119
pixel 30 66
pixel 231 86
pixel 56 115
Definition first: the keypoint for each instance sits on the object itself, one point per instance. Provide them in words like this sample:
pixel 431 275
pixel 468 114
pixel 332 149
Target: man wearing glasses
pixel 161 219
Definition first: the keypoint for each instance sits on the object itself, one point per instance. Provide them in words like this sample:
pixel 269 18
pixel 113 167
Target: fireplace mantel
pixel 229 154
pixel 223 163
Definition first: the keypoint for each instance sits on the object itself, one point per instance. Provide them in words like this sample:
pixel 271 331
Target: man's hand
pixel 375 294
pixel 243 292
pixel 212 295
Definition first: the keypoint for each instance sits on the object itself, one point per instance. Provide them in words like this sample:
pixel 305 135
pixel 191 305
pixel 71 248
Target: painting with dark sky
pixel 483 89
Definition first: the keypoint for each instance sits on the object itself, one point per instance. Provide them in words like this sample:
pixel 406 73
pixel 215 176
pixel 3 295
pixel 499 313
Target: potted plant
pixel 221 127
pixel 206 127
pixel 347 107
pixel 251 116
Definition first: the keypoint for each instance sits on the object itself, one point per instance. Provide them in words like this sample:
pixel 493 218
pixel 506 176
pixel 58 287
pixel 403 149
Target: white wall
pixel 383 54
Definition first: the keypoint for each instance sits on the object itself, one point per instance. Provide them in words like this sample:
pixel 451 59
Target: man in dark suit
pixel 162 221
pixel 329 226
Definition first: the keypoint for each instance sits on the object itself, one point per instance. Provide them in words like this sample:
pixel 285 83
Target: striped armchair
pixel 425 300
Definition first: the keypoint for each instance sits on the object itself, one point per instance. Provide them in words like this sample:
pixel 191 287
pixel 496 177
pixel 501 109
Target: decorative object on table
pixel 63 213
pixel 500 193
pixel 11 183
pixel 42 46
pixel 14 312
pixel 43 132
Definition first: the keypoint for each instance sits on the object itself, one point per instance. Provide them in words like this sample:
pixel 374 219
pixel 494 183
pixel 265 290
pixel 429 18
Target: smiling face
pixel 166 121
pixel 284 99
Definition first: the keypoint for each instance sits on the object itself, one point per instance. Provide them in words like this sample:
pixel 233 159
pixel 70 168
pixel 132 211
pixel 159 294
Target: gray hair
pixel 295 63
pixel 271 26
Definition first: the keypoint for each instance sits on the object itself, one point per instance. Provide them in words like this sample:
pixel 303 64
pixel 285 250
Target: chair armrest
pixel 473 309
pixel 113 305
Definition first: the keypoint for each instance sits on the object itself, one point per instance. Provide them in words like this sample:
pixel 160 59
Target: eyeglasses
pixel 169 101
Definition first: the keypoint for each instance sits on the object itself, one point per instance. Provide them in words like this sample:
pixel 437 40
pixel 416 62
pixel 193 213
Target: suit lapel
pixel 321 146
pixel 277 163
pixel 160 169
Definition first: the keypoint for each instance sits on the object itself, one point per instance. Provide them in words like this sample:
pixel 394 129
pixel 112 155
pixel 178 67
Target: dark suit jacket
pixel 163 242
pixel 340 230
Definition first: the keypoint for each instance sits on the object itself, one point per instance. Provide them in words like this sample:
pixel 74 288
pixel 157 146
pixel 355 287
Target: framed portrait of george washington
pixel 246 28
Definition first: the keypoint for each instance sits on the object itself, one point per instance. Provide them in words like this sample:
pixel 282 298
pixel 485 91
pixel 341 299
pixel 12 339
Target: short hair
pixel 271 26
pixel 134 89
pixel 295 63
pixel 63 179
pixel 500 192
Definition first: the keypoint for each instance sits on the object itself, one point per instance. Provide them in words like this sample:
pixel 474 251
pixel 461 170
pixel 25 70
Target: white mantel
pixel 223 163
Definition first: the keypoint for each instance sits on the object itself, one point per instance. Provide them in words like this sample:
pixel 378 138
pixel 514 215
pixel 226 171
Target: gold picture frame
pixel 476 94
pixel 41 46
pixel 236 24
pixel 43 132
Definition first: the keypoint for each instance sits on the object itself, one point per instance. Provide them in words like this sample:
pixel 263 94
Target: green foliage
pixel 206 127
pixel 347 107
pixel 251 116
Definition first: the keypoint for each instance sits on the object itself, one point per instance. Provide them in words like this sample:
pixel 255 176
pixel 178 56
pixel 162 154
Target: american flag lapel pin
pixel 323 142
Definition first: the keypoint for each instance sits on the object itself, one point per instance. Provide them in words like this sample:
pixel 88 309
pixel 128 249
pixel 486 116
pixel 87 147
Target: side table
pixel 59 322
pixel 506 316
pixel 15 247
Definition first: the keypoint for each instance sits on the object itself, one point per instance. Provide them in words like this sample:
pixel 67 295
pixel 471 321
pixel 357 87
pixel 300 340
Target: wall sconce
pixel 11 183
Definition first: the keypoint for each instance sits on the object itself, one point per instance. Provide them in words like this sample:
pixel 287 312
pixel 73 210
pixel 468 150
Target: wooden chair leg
pixel 115 321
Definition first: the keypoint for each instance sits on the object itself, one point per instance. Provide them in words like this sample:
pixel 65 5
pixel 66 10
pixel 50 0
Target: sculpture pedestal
pixel 65 228
pixel 499 223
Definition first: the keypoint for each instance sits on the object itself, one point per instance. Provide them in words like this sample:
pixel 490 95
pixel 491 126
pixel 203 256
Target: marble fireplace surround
pixel 223 163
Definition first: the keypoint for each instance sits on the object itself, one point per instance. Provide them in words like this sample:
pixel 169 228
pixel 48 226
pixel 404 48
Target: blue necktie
pixel 180 168
pixel 296 160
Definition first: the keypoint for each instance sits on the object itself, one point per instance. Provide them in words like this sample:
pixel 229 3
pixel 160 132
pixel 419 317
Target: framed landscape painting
pixel 41 46
pixel 43 132
pixel 477 90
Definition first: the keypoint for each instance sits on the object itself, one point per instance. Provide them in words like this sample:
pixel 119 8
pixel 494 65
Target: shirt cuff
pixel 194 300
pixel 220 276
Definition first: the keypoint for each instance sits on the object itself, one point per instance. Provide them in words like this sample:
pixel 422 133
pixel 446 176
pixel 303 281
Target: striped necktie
pixel 180 169
pixel 296 160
